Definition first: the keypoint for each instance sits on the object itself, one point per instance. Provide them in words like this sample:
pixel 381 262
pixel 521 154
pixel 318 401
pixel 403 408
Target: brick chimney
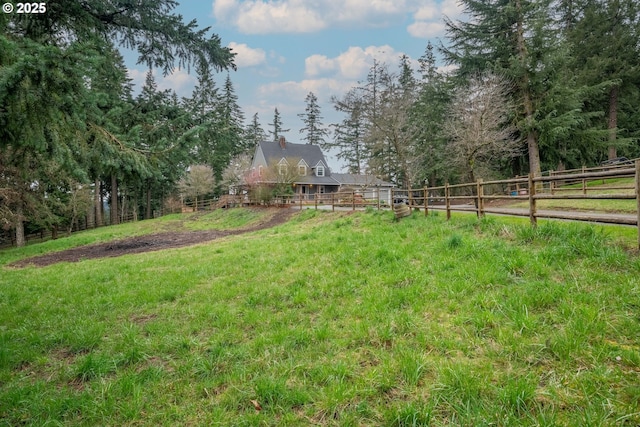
pixel 282 142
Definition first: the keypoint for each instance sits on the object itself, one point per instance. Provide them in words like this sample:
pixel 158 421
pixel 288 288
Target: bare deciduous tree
pixel 479 127
pixel 197 182
pixel 233 177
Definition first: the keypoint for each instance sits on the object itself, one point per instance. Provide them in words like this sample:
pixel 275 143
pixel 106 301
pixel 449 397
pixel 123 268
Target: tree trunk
pixel 97 198
pixel 147 214
pixel 19 225
pixel 123 207
pixel 114 199
pixel 534 153
pixel 532 137
pixel 613 122
pixel 102 209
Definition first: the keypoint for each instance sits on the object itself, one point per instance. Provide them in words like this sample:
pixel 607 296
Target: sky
pixel 288 48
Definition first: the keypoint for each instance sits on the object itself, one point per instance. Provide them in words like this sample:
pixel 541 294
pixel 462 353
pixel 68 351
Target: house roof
pixel 273 152
pixel 360 180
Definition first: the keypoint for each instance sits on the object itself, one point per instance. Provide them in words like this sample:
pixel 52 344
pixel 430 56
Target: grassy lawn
pixel 332 319
pixel 611 206
pixel 215 220
pixel 595 187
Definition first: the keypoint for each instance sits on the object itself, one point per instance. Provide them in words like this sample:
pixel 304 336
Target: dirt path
pixel 148 243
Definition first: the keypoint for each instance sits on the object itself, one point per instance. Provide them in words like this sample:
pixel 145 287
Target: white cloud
pixel 426 30
pixel 137 76
pixel 264 17
pixel 246 56
pixel 452 8
pixel 352 64
pixel 179 81
pixel 373 12
pixel 429 19
pixel 318 64
pixel 323 88
pixel 429 11
pixel 224 8
pixel 305 16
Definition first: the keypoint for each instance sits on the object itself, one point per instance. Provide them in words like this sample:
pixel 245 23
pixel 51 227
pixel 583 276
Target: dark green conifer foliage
pixel 603 36
pixel 48 106
pixel 511 38
pixel 254 133
pixel 276 125
pixel 313 130
pixel 428 114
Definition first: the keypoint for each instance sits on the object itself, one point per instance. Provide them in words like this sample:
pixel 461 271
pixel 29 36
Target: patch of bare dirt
pixel 149 243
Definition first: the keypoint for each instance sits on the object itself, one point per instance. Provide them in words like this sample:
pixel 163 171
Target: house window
pixel 319 170
pixel 302 170
pixel 260 171
pixel 282 169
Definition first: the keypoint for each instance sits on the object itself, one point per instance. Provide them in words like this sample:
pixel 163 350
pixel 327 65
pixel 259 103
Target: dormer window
pixel 319 170
pixel 302 170
pixel 282 167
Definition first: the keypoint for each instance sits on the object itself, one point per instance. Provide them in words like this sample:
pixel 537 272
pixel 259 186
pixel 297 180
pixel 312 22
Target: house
pixel 368 186
pixel 304 169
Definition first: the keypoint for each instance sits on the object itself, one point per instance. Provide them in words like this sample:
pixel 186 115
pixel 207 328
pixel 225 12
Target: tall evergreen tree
pixel 428 114
pixel 277 126
pixel 349 135
pixel 603 39
pixel 111 133
pixel 204 107
pixel 165 138
pixel 314 130
pixel 254 133
pixel 512 38
pixel 44 63
pixel 392 133
pixel 43 102
pixel 230 140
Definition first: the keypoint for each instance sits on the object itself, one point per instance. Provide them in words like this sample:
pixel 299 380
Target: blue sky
pixel 288 48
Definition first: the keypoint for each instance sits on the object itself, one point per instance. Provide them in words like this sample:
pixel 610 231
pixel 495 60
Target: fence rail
pixel 466 197
pixel 475 197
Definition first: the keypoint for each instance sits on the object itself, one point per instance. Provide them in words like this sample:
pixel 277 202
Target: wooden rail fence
pixel 478 197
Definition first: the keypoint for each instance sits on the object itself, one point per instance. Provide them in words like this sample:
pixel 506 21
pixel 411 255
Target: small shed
pixel 368 186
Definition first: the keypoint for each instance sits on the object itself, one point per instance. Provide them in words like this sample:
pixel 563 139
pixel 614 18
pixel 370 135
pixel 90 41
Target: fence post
pixel 447 202
pixel 479 192
pixel 378 196
pixel 532 201
pixel 552 183
pixel 315 196
pixel 301 200
pixel 353 200
pixel 426 201
pixel 638 199
pixel 584 182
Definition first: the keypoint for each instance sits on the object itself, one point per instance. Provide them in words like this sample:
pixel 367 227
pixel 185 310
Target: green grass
pixel 332 319
pixel 593 205
pixel 215 220
pixel 596 186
